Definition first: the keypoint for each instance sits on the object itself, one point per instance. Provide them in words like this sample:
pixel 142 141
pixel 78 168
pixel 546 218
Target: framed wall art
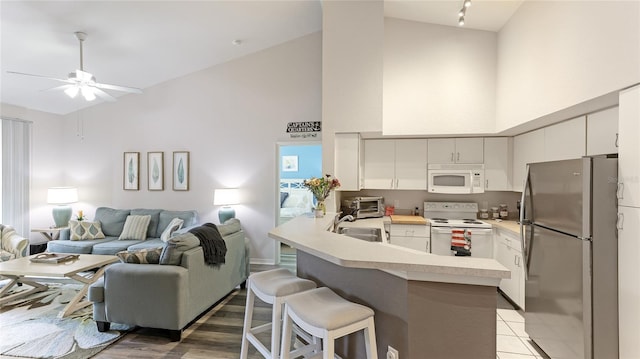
pixel 131 171
pixel 155 171
pixel 289 163
pixel 181 171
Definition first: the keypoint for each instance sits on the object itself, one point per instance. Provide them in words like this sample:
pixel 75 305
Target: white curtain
pixel 16 172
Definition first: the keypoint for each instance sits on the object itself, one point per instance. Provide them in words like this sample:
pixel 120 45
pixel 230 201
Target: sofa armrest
pixel 147 295
pixel 15 244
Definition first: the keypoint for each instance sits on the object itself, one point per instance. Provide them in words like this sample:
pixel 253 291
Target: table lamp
pixel 225 197
pixel 62 196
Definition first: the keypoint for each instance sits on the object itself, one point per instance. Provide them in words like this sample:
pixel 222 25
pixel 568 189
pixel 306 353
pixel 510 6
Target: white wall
pixel 47 158
pixel 352 54
pixel 556 54
pixel 438 79
pixel 229 117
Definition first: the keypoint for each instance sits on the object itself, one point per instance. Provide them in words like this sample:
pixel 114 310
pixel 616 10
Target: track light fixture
pixel 463 12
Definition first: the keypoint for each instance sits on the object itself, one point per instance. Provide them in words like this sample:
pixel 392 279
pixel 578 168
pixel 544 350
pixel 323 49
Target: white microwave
pixel 455 178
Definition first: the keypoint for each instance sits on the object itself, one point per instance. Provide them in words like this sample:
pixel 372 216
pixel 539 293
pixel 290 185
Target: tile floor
pixel 511 341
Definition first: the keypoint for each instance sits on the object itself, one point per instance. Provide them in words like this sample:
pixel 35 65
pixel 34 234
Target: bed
pixel 295 199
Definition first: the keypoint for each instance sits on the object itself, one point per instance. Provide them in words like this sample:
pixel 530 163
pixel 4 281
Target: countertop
pixel 512 226
pixel 311 235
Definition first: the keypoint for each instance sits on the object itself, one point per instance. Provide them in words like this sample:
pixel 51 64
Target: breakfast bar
pixel 425 305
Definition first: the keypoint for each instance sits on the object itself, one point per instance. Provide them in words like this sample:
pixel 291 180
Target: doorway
pixel 296 162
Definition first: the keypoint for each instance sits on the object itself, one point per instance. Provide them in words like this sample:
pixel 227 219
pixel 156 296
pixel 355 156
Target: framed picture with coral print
pixel 131 171
pixel 155 171
pixel 181 171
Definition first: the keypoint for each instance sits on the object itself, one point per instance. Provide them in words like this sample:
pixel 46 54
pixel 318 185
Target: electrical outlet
pixel 392 353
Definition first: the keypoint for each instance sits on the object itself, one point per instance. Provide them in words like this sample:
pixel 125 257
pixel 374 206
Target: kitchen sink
pixel 371 234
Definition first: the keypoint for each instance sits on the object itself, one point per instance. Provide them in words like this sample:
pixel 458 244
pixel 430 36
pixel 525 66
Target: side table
pixel 49 233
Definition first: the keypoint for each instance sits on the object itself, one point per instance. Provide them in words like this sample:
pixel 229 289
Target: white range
pixel 446 217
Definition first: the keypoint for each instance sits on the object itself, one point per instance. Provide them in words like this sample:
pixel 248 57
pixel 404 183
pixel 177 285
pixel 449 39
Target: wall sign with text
pixel 304 129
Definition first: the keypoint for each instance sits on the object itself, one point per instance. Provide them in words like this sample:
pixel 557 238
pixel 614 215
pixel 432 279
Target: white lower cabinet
pixel 628 281
pixel 412 236
pixel 508 252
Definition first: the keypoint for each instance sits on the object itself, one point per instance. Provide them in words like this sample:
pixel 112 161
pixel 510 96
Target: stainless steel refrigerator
pixel 568 227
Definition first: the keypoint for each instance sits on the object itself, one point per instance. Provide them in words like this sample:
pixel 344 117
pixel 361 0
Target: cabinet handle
pixel 617 138
pixel 458 156
pixel 397 181
pixel 620 221
pixel 486 184
pixel 620 190
pixel 391 186
pixel 452 158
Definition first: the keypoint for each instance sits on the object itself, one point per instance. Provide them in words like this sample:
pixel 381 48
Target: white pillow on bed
pixel 297 200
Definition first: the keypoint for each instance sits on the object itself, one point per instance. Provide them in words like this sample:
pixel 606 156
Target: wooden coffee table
pixel 22 270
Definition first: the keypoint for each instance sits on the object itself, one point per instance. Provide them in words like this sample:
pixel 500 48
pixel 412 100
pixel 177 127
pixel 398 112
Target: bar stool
pixel 272 287
pixel 325 315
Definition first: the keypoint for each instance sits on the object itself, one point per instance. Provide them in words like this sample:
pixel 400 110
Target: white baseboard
pixel 262 261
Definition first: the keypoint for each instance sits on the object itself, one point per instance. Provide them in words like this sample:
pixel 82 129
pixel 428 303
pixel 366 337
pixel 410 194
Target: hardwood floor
pixel 217 334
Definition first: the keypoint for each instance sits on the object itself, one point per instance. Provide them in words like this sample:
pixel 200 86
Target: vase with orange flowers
pixel 321 188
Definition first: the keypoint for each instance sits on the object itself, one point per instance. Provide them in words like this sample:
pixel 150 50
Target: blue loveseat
pixel 112 223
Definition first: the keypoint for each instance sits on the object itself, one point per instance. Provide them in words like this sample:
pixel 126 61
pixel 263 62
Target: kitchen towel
pixel 461 242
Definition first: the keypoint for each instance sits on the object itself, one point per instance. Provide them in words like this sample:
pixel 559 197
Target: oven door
pixel 481 241
pixel 450 181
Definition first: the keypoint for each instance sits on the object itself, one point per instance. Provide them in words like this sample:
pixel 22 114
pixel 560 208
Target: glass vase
pixel 321 209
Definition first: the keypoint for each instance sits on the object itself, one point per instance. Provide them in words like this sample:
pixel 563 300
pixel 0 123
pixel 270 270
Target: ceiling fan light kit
pixel 80 81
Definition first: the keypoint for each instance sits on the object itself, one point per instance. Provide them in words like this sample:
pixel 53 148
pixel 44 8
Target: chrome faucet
pixel 337 221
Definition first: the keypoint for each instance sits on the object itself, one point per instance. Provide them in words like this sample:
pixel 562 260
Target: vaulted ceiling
pixel 144 43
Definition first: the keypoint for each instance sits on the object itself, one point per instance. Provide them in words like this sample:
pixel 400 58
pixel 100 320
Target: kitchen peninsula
pixel 426 306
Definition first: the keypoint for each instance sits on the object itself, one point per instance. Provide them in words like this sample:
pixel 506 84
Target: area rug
pixel 30 327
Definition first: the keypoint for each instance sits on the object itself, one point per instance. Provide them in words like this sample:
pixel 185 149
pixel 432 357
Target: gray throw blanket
pixel 212 243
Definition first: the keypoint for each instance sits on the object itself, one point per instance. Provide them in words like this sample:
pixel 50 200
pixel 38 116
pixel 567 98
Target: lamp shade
pixel 226 196
pixel 62 195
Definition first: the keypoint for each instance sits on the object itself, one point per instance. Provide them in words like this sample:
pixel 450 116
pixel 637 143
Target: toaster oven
pixel 364 207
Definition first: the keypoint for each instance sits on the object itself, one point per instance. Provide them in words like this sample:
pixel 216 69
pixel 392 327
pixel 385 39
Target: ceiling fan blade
pixel 117 88
pixel 44 77
pixel 103 95
pixel 61 88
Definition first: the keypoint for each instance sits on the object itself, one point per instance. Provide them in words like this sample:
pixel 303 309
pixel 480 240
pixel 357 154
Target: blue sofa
pixel 166 296
pixel 112 221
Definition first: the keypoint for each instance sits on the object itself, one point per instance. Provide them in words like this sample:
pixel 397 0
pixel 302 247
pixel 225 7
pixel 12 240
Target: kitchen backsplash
pixel 406 201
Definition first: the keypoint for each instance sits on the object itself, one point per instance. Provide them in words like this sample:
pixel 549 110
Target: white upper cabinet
pixel 379 164
pixel 411 164
pixel 629 148
pixel 395 164
pixel 456 150
pixel 565 140
pixel 348 156
pixel 498 158
pixel 602 132
pixel 527 148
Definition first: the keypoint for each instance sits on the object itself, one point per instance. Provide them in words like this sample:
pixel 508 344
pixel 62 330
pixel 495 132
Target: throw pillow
pixel 135 227
pixel 175 246
pixel 173 226
pixel 141 256
pixel 81 230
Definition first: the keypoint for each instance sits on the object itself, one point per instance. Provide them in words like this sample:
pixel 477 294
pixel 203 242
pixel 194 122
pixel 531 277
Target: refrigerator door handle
pixel 524 222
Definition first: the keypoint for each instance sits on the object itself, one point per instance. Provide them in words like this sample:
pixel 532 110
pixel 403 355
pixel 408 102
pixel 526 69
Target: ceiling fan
pixel 80 81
